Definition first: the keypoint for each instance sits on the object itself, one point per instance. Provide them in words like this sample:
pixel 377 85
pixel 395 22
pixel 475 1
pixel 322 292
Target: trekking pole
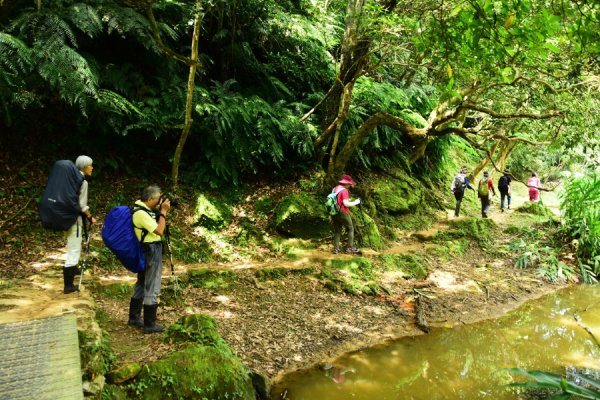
pixel 170 252
pixel 88 234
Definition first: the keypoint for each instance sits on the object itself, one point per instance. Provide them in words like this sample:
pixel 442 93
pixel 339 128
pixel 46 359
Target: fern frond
pixel 126 21
pixel 85 18
pixel 68 72
pixel 15 56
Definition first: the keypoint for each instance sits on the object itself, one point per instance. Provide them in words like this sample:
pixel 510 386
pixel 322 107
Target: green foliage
pixel 580 206
pixel 582 387
pixel 97 357
pixel 244 134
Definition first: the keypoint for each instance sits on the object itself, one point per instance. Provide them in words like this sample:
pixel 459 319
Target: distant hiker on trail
pixel 486 185
pixel 534 183
pixel 74 234
pixel 149 226
pixel 505 189
pixel 459 184
pixel 342 218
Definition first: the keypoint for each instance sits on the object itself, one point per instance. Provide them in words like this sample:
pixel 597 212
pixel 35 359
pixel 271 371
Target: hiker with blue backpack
pixel 149 224
pixel 340 214
pixel 458 186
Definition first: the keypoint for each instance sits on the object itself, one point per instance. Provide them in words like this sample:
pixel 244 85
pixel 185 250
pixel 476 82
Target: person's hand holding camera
pixel 165 206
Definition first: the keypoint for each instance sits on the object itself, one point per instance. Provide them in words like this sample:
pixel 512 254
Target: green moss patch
pixel 197 328
pixel 410 265
pixel 479 230
pixel 210 278
pixel 397 196
pixel 212 213
pixel 351 275
pixel 535 209
pixel 119 291
pixel 195 372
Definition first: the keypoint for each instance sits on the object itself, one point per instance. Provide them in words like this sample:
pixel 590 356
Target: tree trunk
pixel 190 96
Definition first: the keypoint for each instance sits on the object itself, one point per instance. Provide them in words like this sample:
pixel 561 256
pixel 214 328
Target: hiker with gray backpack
pixel 64 207
pixel 459 184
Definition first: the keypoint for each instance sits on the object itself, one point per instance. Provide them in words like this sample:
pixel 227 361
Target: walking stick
pixel 88 234
pixel 169 251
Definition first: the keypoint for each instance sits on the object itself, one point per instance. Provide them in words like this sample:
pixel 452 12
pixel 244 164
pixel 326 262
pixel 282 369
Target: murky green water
pixel 464 362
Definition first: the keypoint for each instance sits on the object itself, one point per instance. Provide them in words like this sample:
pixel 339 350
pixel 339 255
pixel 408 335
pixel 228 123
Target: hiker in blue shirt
pixel 459 184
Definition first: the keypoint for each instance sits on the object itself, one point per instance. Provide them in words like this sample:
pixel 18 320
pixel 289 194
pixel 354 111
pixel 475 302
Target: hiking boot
pixel 68 276
pixel 502 210
pixel 352 250
pixel 150 320
pixel 135 313
pixel 336 251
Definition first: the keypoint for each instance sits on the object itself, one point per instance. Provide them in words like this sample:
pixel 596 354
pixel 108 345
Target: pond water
pixel 465 362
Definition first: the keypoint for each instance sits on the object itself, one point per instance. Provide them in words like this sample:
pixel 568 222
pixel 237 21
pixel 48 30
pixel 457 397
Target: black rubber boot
pixel 135 313
pixel 68 276
pixel 150 320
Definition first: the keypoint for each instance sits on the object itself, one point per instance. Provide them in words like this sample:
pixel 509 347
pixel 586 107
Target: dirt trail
pixel 293 321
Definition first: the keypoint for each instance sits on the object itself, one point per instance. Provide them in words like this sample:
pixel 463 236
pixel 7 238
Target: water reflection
pixel 464 362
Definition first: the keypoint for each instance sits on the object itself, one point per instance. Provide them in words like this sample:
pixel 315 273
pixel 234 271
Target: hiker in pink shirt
pixel 343 219
pixel 534 183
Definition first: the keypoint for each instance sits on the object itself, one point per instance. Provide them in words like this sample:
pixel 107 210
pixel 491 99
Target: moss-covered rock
pixel 212 213
pixel 197 328
pixel 124 373
pixel 409 265
pixel 397 196
pixel 302 215
pixel 367 231
pixel 535 209
pixel 480 230
pixel 196 372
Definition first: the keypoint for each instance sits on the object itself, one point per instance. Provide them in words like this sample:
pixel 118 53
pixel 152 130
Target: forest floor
pixel 286 318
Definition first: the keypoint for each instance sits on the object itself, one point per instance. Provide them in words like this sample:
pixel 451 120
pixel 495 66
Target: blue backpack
pixel 119 237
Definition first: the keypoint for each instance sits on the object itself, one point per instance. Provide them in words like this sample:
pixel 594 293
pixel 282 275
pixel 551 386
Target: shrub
pixel 580 207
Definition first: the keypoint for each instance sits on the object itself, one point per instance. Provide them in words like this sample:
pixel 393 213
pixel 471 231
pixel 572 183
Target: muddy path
pixel 286 318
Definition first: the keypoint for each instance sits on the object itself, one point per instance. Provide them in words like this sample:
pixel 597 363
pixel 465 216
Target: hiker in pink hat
pixel 342 219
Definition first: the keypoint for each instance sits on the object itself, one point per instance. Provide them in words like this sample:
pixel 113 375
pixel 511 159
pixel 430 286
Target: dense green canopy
pixel 280 85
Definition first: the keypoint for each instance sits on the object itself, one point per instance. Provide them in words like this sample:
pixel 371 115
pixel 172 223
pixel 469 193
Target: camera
pixel 174 202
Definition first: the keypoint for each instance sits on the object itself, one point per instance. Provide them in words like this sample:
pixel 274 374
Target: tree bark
pixel 189 98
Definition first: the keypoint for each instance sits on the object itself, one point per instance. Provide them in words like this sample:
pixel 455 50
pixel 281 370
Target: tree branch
pixel 187 61
pixel 492 113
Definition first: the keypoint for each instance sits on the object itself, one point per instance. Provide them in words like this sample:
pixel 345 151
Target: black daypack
pixel 59 205
pixel 503 183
